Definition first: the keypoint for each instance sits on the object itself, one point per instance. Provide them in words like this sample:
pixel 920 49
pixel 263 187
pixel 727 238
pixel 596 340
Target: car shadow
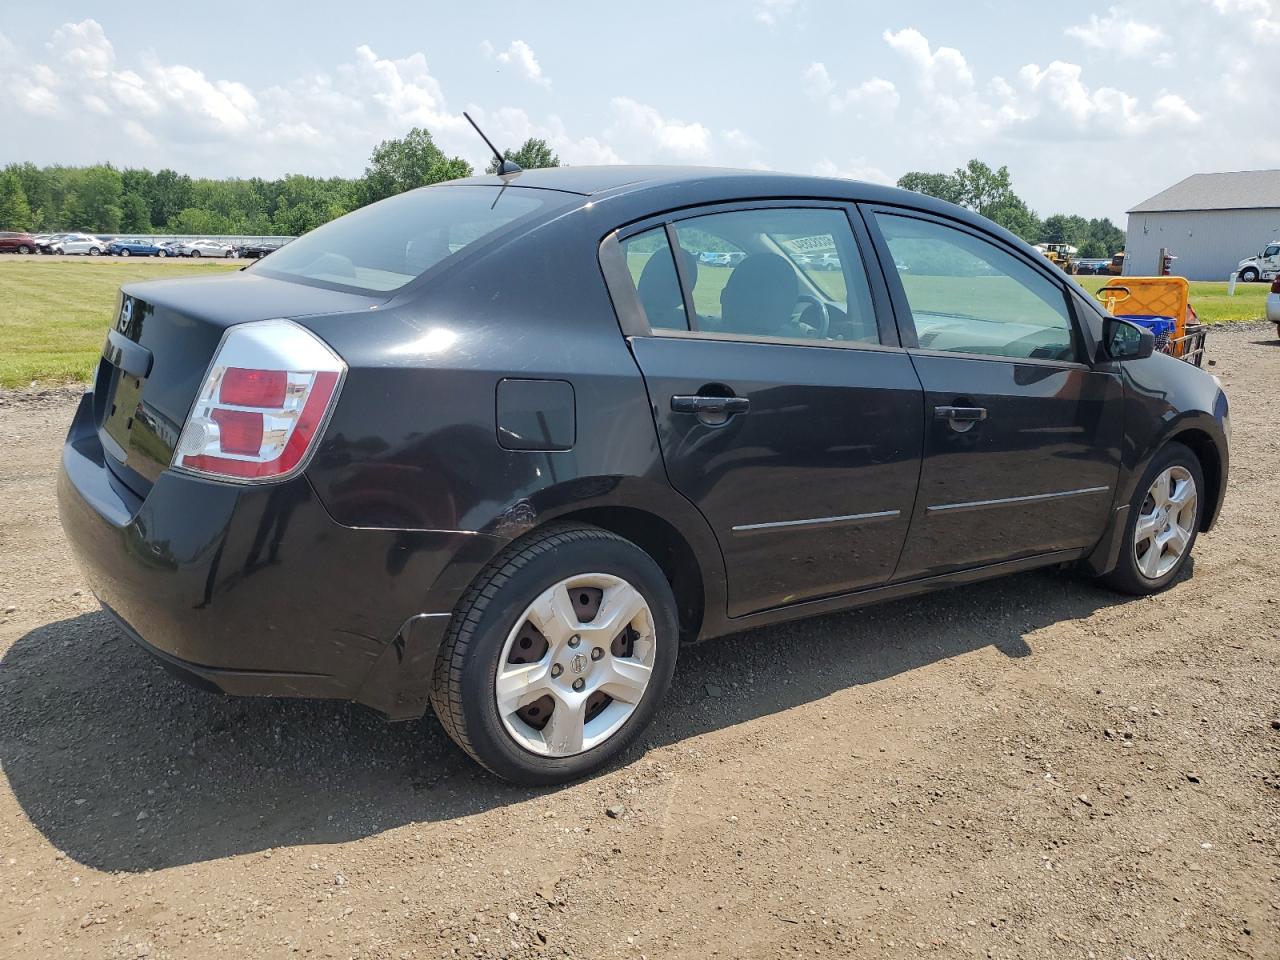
pixel 126 768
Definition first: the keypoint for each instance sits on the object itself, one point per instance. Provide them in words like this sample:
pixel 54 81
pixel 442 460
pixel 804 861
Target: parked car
pixel 206 248
pixel 1265 266
pixel 79 243
pixel 134 248
pixel 450 451
pixel 12 241
pixel 259 249
pixel 168 248
pixel 45 242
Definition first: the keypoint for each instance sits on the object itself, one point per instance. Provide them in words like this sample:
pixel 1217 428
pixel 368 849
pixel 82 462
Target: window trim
pixel 630 313
pixel 904 317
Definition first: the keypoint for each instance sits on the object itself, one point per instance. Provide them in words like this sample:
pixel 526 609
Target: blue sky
pixel 1093 107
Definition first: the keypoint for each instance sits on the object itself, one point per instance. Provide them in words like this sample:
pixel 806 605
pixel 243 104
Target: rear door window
pixel 653 271
pixel 382 247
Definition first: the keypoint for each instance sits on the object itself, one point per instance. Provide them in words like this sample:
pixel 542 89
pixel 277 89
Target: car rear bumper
pixel 256 590
pixel 1273 307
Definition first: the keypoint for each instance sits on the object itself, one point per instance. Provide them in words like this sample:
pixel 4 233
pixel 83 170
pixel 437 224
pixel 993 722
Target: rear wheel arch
pixel 662 541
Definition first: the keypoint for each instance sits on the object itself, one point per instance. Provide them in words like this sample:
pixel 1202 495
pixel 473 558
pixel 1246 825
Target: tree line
pixel 104 199
pixel 990 193
pixel 107 200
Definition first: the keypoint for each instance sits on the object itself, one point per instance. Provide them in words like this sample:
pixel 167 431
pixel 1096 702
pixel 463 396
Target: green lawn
pixel 54 312
pixel 1210 300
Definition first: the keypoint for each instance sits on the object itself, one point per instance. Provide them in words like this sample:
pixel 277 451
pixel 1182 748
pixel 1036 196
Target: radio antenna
pixel 505 166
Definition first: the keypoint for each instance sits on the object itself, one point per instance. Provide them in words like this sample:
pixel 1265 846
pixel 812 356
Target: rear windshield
pixel 382 247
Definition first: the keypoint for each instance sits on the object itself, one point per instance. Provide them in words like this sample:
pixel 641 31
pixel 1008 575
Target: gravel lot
pixel 1032 767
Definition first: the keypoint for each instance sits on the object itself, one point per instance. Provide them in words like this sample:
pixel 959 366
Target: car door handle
pixel 701 405
pixel 964 414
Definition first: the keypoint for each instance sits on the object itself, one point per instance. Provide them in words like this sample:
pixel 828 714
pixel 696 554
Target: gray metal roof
pixel 1242 190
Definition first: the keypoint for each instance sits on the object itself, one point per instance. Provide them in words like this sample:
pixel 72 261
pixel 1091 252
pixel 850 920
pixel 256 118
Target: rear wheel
pixel 162 253
pixel 195 253
pixel 1164 517
pixel 95 252
pixel 1248 275
pixel 23 248
pixel 557 656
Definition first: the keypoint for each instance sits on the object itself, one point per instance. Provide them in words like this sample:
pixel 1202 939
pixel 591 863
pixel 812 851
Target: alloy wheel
pixel 576 665
pixel 1165 522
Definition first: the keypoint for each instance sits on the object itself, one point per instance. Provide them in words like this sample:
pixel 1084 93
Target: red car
pixel 13 242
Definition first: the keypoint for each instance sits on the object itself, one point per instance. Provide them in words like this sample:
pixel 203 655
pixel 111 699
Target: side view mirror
pixel 1126 341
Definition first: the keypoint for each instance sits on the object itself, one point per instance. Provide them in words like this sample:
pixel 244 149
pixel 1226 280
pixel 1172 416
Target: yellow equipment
pixel 1116 267
pixel 1061 255
pixel 1163 306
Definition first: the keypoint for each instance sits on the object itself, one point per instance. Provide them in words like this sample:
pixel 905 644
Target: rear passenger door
pixel 1022 435
pixel 786 410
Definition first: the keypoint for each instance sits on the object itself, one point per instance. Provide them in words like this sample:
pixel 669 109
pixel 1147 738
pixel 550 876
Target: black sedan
pixel 497 446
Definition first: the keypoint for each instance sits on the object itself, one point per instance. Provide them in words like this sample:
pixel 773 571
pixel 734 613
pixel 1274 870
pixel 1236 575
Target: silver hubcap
pixel 576 665
pixel 1165 523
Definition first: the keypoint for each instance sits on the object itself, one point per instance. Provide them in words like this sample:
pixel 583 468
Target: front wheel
pixel 125 252
pixel 95 252
pixel 162 254
pixel 558 655
pixel 1248 275
pixel 23 248
pixel 194 253
pixel 1163 520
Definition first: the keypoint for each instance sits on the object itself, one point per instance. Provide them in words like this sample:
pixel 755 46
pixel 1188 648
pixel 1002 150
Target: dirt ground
pixel 1032 767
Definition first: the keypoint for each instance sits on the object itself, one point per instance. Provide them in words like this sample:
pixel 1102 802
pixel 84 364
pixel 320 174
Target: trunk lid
pixel 158 349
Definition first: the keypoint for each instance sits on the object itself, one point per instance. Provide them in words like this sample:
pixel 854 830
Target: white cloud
pixel 84 47
pixel 1120 34
pixel 653 136
pixel 772 11
pixel 520 55
pixel 1057 94
pixel 873 96
pixel 859 169
pixel 942 69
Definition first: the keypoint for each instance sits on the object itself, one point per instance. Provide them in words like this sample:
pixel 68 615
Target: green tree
pixel 15 212
pixel 531 155
pixel 96 195
pixel 983 190
pixel 169 193
pixel 412 161
pixel 940 185
pixel 135 214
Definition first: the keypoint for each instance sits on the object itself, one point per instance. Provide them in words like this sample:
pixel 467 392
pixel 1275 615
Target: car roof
pixel 673 186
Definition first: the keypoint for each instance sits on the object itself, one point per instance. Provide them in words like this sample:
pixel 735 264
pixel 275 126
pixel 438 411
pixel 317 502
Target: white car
pixel 1273 304
pixel 80 243
pixel 1265 266
pixel 206 248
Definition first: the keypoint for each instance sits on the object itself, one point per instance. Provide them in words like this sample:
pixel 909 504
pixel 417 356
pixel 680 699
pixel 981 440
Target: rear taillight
pixel 262 405
pixel 1275 285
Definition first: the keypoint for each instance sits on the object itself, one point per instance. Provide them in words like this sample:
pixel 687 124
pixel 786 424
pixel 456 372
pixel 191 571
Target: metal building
pixel 1209 221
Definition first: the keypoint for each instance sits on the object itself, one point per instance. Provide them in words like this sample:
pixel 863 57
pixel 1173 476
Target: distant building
pixel 1209 221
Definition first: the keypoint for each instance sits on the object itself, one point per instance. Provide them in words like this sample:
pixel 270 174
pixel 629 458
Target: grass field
pixel 54 312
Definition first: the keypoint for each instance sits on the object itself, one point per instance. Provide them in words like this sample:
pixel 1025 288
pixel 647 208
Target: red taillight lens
pixel 1275 285
pixel 239 431
pixel 253 388
pixel 287 376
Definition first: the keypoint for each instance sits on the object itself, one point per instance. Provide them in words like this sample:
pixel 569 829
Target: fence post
pixel 1231 284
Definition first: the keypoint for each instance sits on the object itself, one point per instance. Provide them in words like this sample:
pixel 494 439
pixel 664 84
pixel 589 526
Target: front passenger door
pixel 1022 435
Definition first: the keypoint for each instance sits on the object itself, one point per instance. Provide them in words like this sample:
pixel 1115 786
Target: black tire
pixel 95 252
pixel 125 252
pixel 229 254
pixel 23 248
pixel 194 253
pixel 162 254
pixel 1248 275
pixel 1126 577
pixel 462 692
